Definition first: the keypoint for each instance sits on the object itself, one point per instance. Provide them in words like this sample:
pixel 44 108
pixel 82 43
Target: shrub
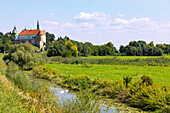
pixel 127 80
pixel 20 78
pixel 82 81
pixel 146 80
pixel 45 72
pixel 123 96
pixel 166 110
pixel 147 97
pixel 67 53
pixel 23 55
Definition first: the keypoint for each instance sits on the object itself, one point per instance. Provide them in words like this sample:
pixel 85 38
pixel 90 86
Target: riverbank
pixel 113 105
pixel 132 93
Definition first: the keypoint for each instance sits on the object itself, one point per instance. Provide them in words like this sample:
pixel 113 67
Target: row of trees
pixel 66 47
pixel 141 48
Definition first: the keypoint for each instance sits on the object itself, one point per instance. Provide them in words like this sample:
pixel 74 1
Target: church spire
pixel 38 26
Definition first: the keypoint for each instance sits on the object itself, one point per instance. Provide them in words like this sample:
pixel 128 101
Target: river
pixel 64 94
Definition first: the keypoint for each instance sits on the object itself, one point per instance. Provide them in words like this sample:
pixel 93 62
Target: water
pixel 64 95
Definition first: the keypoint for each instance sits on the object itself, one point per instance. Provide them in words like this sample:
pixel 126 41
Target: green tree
pixel 133 43
pixel 141 43
pixel 49 37
pixel 151 44
pixel 23 55
pixel 86 50
pixel 122 49
pixel 132 51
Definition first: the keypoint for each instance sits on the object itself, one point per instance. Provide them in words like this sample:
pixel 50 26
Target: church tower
pixel 38 26
pixel 16 32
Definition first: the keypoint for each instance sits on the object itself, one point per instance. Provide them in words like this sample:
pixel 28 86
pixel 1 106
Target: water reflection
pixel 64 95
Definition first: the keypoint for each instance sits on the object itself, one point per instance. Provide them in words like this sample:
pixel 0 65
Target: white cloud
pixel 120 21
pixel 87 25
pixel 121 15
pixel 91 16
pixel 100 28
pixel 139 20
pixel 51 14
pixel 51 22
pixel 67 24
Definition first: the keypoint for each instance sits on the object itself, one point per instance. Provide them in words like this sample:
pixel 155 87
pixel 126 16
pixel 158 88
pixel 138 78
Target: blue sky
pixel 96 21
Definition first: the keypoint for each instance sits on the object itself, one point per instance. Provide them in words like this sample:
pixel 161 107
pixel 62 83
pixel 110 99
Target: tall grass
pixel 114 61
pixel 10 101
pixel 143 94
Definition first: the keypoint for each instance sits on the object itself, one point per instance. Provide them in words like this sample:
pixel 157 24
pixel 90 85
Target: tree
pixel 151 44
pixel 68 44
pixel 23 55
pixel 145 50
pixel 139 51
pixel 49 37
pixel 141 43
pixel 56 50
pixel 157 51
pixel 74 50
pixel 162 46
pixel 86 50
pixel 132 51
pixel 88 44
pixel 109 44
pixel 1 34
pixel 122 49
pixel 133 43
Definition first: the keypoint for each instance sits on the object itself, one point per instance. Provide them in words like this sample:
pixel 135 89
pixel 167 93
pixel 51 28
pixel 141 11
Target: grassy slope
pixel 158 74
pixel 9 99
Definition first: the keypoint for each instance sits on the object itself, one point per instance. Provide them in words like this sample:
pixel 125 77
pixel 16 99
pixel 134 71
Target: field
pixel 129 57
pixel 159 74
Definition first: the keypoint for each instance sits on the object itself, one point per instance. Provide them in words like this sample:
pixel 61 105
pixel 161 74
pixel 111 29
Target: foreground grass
pixel 10 100
pixel 158 74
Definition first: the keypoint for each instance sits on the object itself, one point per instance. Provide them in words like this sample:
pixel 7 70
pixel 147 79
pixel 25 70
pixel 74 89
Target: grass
pixel 128 57
pixel 9 99
pixel 2 64
pixel 158 74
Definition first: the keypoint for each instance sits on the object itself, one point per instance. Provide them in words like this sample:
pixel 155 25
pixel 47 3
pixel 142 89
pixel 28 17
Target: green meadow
pixel 129 57
pixel 159 74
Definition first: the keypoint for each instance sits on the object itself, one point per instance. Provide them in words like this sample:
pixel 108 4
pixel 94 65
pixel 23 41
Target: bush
pixel 82 81
pixel 127 80
pixel 24 56
pixel 20 78
pixel 166 110
pixel 45 72
pixel 146 80
pixel 148 96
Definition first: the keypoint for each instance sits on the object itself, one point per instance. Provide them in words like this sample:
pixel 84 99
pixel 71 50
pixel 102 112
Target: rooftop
pixel 32 32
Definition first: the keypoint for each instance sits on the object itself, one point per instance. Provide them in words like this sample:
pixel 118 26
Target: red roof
pixel 32 32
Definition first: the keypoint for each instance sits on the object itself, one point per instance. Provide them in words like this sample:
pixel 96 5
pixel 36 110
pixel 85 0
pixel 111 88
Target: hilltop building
pixel 36 37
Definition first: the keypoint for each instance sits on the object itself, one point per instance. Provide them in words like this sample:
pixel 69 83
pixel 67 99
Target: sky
pixel 96 21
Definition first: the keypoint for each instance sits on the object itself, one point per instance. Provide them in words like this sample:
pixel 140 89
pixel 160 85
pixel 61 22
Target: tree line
pixel 134 48
pixel 65 47
pixel 141 48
